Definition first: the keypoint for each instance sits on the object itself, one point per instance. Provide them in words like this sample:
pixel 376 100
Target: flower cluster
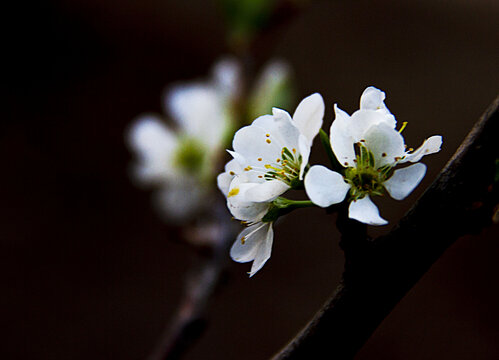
pixel 181 160
pixel 271 156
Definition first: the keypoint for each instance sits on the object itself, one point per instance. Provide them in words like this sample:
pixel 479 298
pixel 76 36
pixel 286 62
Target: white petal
pixel 238 157
pixel 341 138
pixel 245 250
pixel 403 181
pixel 226 77
pixel 253 143
pixel 264 251
pixel 180 199
pixel 264 121
pixel 199 111
pixel 256 247
pixel 366 212
pixel 325 187
pixel 224 179
pixel 363 120
pixel 266 191
pixel 308 116
pixel 385 143
pixel 150 135
pixel 247 211
pixel 223 182
pixel 373 99
pixel 430 146
pixel 280 127
pixel 283 129
pixel 154 144
pixel 238 205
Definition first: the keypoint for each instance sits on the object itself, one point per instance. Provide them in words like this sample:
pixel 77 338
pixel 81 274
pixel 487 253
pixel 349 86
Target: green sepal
pixel 335 164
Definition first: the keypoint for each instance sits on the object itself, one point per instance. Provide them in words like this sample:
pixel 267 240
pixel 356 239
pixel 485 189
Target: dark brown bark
pixel 378 273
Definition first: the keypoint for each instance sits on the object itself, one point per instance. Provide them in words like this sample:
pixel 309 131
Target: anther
pixel 233 192
pixel 404 124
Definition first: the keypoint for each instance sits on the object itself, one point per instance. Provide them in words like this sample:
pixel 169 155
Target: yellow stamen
pixel 404 124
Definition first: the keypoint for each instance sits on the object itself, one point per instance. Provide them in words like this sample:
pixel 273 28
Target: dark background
pixel 89 271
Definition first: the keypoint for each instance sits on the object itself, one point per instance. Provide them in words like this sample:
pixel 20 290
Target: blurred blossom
pixel 273 88
pixel 180 160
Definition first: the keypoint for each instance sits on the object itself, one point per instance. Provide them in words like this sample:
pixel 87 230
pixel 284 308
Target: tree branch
pixel 189 323
pixel 379 273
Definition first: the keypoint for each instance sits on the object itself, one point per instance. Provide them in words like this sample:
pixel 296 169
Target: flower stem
pixel 282 206
pixel 284 203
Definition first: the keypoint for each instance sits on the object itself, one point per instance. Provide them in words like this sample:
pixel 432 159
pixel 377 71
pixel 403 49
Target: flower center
pixel 286 168
pixel 365 178
pixel 189 155
pixel 364 181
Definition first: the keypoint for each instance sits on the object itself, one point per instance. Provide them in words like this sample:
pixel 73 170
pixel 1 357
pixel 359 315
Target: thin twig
pixel 379 273
pixel 189 323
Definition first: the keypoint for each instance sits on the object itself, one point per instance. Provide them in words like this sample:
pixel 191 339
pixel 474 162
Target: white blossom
pixel 368 146
pixel 254 243
pixel 273 151
pixel 269 157
pixel 179 159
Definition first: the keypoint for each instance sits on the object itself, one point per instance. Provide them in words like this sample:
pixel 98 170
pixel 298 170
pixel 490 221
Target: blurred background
pixel 90 271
